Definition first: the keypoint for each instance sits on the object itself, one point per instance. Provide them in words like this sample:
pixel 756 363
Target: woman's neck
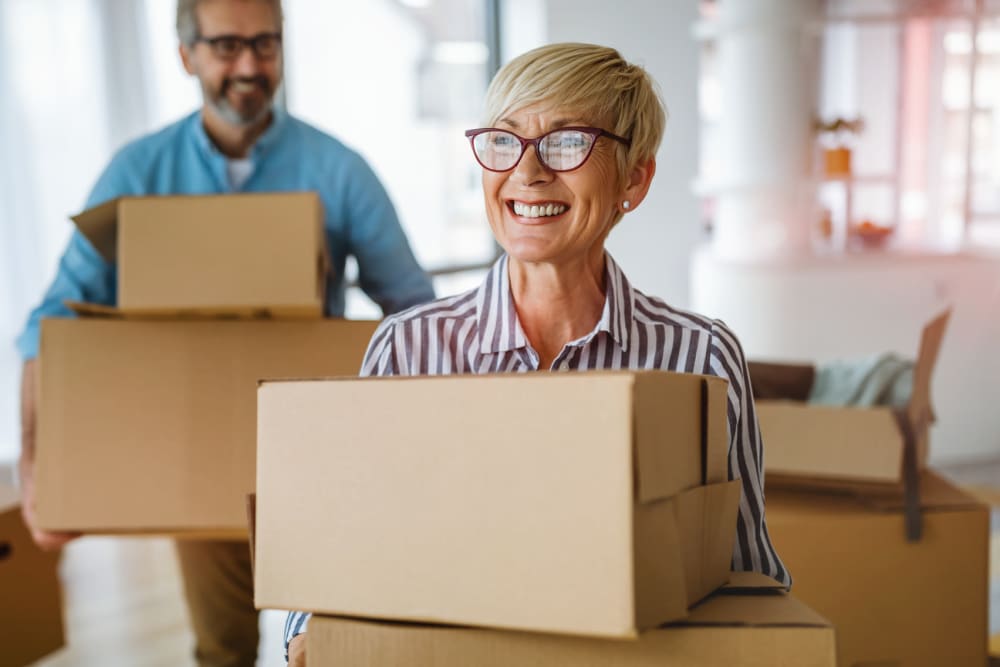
pixel 557 303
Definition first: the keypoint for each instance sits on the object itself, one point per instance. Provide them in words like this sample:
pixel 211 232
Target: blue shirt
pixel 289 156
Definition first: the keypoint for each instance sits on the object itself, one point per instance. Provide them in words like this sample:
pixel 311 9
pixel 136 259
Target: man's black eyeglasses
pixel 265 46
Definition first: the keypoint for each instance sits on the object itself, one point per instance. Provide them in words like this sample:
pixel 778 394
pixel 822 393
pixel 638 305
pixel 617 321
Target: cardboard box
pixel 246 254
pixel 893 602
pixel 758 628
pixel 838 446
pixel 31 623
pixel 560 502
pixel 150 427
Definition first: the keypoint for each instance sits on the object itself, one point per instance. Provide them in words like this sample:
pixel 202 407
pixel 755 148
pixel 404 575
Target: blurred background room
pixel 829 181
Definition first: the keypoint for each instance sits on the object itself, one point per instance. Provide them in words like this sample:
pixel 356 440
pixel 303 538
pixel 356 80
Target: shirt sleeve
pixel 380 358
pixel 387 269
pixel 753 550
pixel 82 273
pixel 295 624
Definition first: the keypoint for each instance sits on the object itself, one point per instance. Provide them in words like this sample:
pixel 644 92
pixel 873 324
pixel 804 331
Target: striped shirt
pixel 479 332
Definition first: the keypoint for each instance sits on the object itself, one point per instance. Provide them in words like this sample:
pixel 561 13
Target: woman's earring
pixel 625 204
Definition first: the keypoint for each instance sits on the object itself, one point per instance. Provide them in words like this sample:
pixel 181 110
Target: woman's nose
pixel 529 169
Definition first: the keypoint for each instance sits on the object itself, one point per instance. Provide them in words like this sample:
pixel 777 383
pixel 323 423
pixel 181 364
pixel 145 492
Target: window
pixel 398 80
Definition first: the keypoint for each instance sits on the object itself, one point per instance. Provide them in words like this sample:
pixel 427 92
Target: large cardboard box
pixel 246 254
pixel 560 502
pixel 843 446
pixel 31 623
pixel 750 628
pixel 150 427
pixel 893 602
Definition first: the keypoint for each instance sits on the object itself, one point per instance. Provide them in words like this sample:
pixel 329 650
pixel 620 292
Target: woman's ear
pixel 639 180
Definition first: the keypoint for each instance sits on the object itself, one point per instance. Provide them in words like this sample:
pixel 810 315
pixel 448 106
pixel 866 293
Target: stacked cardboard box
pixel 31 623
pixel 751 624
pixel 890 552
pixel 147 411
pixel 587 504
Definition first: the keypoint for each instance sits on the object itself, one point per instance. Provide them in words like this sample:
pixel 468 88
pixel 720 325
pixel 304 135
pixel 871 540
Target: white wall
pixel 854 306
pixel 653 244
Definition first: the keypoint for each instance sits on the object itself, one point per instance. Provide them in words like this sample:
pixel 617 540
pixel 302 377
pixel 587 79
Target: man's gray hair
pixel 187 19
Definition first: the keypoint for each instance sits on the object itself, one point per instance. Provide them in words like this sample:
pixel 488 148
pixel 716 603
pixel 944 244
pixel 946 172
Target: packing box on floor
pixel 150 426
pixel 561 502
pixel 246 254
pixel 31 624
pixel 759 628
pixel 893 602
pixel 833 445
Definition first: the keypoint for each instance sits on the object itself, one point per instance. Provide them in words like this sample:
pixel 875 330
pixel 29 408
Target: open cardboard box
pixel 893 601
pixel 209 255
pixel 563 502
pixel 752 624
pixel 150 426
pixel 815 445
pixel 31 622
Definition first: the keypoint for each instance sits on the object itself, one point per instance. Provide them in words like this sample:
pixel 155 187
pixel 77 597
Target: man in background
pixel 237 142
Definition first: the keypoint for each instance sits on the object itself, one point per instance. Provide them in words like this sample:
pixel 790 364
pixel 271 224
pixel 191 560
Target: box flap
pixel 769 608
pixel 97 310
pixel 100 225
pixel 666 463
pixel 707 516
pixel 773 380
pixel 743 582
pixel 919 410
pixel 715 413
pixel 85 309
pixel 935 493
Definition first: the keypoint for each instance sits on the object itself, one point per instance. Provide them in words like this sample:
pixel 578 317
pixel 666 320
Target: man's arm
pixel 26 464
pixel 387 270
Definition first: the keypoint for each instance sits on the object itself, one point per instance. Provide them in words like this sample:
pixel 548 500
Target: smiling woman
pixel 570 150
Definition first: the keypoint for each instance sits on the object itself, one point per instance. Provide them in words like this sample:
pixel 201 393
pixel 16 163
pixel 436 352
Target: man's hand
pixel 26 465
pixel 297 651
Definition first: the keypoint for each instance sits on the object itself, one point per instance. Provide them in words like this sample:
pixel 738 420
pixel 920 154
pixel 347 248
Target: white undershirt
pixel 238 170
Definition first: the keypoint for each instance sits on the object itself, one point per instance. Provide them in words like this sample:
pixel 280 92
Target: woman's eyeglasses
pixel 564 149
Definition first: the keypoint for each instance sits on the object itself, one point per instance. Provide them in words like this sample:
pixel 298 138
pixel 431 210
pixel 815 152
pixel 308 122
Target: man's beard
pixel 241 117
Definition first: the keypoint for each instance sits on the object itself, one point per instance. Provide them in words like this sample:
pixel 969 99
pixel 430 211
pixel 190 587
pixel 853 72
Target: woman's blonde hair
pixel 592 80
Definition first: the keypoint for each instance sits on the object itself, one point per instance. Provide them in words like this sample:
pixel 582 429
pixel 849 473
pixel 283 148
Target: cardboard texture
pixel 150 427
pixel 31 623
pixel 765 629
pixel 893 602
pixel 842 446
pixel 243 255
pixel 560 502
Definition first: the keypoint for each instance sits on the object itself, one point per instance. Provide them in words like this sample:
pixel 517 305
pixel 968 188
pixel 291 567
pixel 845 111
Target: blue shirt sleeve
pixel 82 273
pixel 387 269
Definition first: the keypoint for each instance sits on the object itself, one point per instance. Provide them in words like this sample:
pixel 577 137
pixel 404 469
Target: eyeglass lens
pixel 265 45
pixel 560 150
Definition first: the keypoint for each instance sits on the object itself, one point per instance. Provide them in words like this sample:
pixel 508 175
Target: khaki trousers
pixel 218 585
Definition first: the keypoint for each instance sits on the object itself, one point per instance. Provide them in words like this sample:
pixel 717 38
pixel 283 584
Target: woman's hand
pixel 297 651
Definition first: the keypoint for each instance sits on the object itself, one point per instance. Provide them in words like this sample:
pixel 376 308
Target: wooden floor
pixel 124 604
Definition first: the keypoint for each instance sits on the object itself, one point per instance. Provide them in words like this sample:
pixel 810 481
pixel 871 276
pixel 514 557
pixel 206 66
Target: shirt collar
pixel 499 327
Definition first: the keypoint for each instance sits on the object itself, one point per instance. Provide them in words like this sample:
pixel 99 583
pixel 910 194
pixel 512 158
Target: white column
pixel 768 54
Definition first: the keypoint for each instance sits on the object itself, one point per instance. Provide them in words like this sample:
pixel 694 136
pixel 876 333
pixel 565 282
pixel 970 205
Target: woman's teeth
pixel 537 211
